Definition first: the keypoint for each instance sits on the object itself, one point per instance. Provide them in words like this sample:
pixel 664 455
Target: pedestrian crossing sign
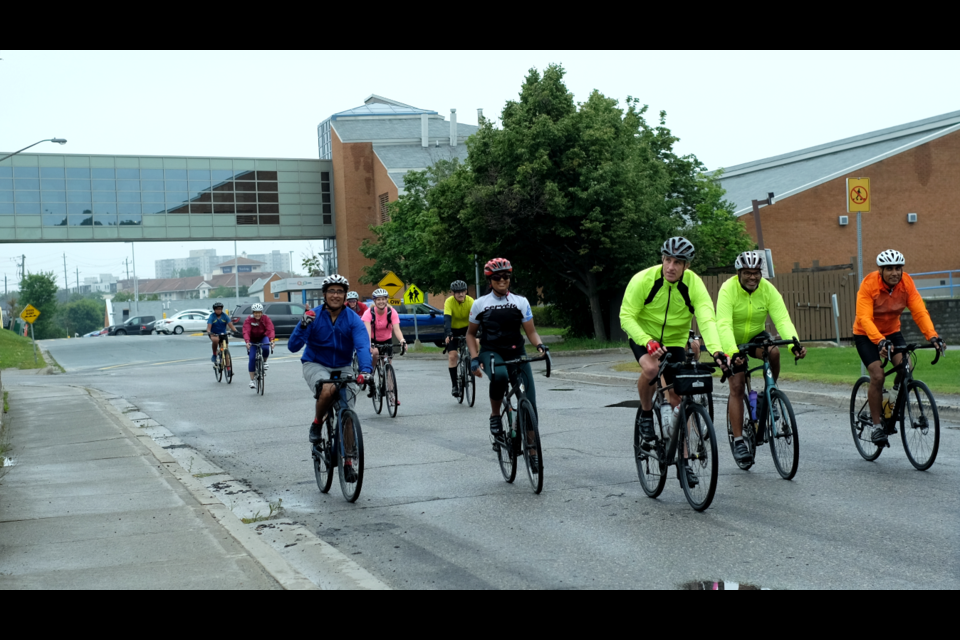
pixel 413 295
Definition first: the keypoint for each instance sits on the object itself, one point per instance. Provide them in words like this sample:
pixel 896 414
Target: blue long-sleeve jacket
pixel 332 345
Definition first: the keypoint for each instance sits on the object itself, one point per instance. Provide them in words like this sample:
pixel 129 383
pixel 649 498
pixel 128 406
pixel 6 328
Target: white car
pixel 190 320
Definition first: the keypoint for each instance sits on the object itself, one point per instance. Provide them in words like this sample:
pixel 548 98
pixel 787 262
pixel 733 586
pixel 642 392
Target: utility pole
pixel 66 283
pixel 126 263
pixel 23 269
pixel 78 279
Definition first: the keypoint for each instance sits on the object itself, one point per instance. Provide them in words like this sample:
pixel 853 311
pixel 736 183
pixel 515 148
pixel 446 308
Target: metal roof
pixel 380 109
pixel 398 130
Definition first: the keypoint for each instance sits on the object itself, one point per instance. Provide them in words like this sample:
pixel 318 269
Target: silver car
pixel 190 321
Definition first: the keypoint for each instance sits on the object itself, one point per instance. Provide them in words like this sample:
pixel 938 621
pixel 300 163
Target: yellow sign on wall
pixel 858 194
pixel 30 313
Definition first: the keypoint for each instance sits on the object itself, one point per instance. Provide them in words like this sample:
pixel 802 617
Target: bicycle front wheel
pixel 747 431
pixel 469 385
pixel 784 440
pixel 532 451
pixel 505 454
pixel 350 484
pixel 701 444
pixel 259 375
pixel 218 369
pixel 920 426
pixel 390 380
pixel 706 399
pixel 324 458
pixel 228 366
pixel 861 424
pixel 377 396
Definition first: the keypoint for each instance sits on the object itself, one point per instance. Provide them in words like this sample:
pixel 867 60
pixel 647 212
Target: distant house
pixel 194 287
pixel 242 265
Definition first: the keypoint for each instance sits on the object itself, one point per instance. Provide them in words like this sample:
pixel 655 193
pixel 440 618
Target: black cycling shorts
pixel 677 354
pixel 870 353
pixel 760 337
pixel 454 334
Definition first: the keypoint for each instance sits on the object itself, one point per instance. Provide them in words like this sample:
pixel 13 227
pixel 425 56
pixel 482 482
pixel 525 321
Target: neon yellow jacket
pixel 654 309
pixel 742 315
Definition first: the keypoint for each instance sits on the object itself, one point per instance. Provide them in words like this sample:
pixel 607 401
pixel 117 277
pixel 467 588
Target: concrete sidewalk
pixel 87 505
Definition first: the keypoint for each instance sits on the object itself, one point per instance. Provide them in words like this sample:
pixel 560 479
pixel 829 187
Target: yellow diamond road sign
pixel 858 194
pixel 30 313
pixel 413 295
pixel 391 283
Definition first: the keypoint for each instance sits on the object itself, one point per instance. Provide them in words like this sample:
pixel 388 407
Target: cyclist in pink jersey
pixel 382 324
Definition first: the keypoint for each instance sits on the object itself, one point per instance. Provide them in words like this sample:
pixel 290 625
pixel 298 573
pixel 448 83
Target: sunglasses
pixel 498 278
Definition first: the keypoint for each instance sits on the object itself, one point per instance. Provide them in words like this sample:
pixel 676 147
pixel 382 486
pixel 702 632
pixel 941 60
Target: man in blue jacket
pixel 331 338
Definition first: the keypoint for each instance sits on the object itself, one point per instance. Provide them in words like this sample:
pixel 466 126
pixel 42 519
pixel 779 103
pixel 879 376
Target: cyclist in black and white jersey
pixel 501 313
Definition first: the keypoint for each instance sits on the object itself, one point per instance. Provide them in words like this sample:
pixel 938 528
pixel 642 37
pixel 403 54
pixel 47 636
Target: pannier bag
pixel 693 380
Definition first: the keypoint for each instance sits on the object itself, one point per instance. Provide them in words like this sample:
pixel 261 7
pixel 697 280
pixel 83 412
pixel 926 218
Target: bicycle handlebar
pixel 545 357
pixel 676 365
pixel 766 344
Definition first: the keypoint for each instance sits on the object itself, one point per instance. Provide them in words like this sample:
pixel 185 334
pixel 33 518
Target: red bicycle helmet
pixel 497 264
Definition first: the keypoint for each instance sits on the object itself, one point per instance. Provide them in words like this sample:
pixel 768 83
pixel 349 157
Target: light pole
pixel 756 217
pixel 57 140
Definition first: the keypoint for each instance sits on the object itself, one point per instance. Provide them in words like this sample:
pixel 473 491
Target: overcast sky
pixel 726 107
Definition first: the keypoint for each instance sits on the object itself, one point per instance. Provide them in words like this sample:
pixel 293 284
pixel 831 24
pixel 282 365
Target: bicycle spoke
pixel 920 426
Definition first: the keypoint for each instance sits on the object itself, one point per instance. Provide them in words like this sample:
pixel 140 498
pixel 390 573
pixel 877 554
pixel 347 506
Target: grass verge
pixel 17 352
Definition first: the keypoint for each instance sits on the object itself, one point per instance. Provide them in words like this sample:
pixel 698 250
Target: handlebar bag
pixel 693 379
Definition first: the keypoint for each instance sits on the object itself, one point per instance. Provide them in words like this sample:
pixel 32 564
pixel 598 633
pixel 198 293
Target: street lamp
pixel 57 140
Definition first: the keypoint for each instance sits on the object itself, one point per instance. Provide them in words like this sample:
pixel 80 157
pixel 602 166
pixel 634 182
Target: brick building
pixel 913 169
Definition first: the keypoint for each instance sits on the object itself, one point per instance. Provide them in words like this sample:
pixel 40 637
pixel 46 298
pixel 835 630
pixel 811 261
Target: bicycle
pixel 917 422
pixel 466 383
pixel 697 441
pixel 330 452
pixel 780 430
pixel 509 445
pixel 259 369
pixel 385 380
pixel 224 363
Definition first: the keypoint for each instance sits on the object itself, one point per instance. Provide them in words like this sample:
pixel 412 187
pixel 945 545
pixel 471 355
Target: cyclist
pixel 456 318
pixel 331 338
pixel 881 299
pixel 743 304
pixel 382 324
pixel 656 314
pixel 501 313
pixel 257 330
pixel 217 326
pixel 354 304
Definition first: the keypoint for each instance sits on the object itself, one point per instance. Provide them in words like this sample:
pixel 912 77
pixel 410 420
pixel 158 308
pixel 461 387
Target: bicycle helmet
pixel 678 247
pixel 335 278
pixel 458 285
pixel 256 307
pixel 353 295
pixel 749 260
pixel 218 305
pixel 381 293
pixel 890 258
pixel 497 264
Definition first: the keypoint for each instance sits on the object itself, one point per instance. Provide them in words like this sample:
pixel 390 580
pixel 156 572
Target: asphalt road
pixel 435 512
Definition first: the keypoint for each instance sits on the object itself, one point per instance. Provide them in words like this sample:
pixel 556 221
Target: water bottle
pixel 753 405
pixel 674 421
pixel 666 416
pixel 887 406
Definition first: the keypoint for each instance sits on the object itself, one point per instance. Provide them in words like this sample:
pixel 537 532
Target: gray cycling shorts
pixel 312 372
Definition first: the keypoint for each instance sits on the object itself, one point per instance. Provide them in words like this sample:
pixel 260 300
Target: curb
pixel 288 551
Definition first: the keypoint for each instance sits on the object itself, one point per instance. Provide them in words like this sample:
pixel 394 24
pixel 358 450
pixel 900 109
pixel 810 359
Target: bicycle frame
pixel 904 371
pixel 769 384
pixel 337 408
pixel 515 387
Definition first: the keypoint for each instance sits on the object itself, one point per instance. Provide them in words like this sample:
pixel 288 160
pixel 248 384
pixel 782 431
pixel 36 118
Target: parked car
pixel 429 323
pixel 285 316
pixel 190 320
pixel 134 326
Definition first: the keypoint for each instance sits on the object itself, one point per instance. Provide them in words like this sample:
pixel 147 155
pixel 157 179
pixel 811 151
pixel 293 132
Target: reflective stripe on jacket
pixel 879 308
pixel 742 315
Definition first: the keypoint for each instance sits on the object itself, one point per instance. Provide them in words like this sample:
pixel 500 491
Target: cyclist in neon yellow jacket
pixel 657 310
pixel 742 307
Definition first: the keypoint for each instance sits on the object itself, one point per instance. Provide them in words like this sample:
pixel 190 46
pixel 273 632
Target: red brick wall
pixel 924 180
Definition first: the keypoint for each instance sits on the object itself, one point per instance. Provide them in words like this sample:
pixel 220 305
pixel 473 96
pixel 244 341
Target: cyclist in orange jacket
pixel 882 297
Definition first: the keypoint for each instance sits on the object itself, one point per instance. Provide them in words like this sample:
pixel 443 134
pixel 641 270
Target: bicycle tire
pixel 218 371
pixel 259 373
pixel 530 437
pixel 228 366
pixel 469 386
pixel 784 437
pixel 859 425
pixel 377 396
pixel 505 453
pixel 703 445
pixel 747 431
pixel 351 490
pixel 461 382
pixel 915 431
pixel 324 458
pixel 652 473
pixel 390 390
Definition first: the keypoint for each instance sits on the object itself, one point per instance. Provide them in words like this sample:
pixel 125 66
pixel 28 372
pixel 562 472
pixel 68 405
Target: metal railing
pixel 948 284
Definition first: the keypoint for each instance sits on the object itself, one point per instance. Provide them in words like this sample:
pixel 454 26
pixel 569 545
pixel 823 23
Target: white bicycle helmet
pixel 678 247
pixel 748 260
pixel 335 278
pixel 890 258
pixel 256 307
pixel 381 293
pixel 353 295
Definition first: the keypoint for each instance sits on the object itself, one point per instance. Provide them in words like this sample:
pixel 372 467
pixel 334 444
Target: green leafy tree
pixel 128 296
pixel 81 316
pixel 228 292
pixel 40 290
pixel 187 273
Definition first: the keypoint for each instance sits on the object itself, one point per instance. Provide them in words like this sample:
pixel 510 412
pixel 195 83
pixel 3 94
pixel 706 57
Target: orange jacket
pixel 879 308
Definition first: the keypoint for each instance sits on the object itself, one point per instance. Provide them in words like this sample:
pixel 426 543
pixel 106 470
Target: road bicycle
pixel 694 444
pixel 259 366
pixel 340 425
pixel 914 408
pixel 466 383
pixel 385 380
pixel 760 425
pixel 223 366
pixel 521 436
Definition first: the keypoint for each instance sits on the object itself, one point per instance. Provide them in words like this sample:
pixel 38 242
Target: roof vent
pixel 453 127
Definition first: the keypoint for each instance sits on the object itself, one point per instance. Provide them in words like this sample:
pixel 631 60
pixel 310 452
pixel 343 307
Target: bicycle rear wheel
pixel 530 437
pixel 652 472
pixel 784 440
pixel 701 441
pixel 351 489
pixel 861 424
pixel 391 390
pixel 227 366
pixel 748 431
pixel 324 458
pixel 920 426
pixel 505 453
pixel 377 396
pixel 461 382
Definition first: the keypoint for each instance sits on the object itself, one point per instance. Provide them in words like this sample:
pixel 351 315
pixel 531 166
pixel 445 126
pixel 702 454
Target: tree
pixel 192 272
pixel 228 292
pixel 81 316
pixel 128 296
pixel 40 290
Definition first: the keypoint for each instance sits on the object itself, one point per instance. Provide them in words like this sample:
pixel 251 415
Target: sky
pixel 726 107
